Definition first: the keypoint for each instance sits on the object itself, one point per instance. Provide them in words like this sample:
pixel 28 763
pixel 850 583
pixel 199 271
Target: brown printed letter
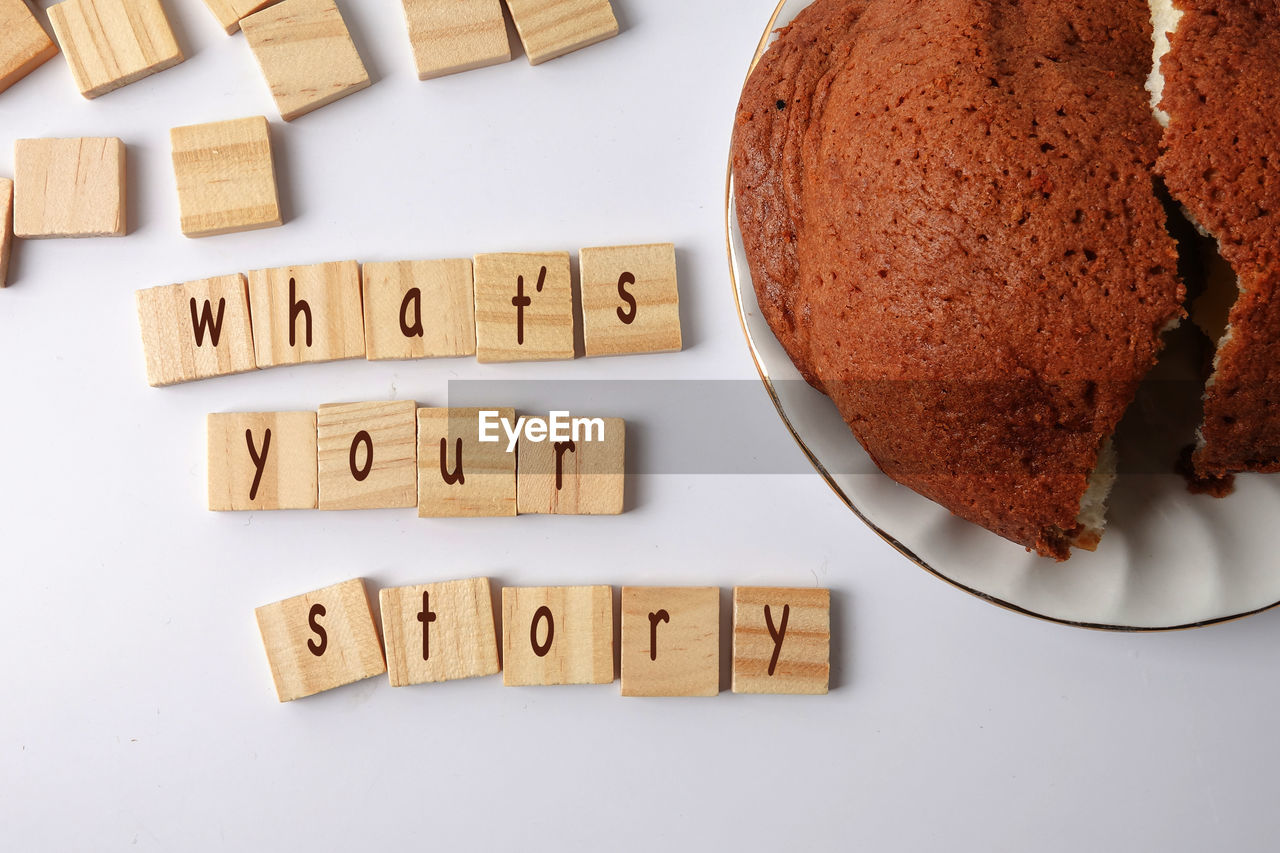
pixel 629 316
pixel 259 462
pixel 203 321
pixel 426 617
pixel 361 473
pixel 776 633
pixel 297 306
pixel 654 619
pixel 456 477
pixel 414 329
pixel 317 649
pixel 541 649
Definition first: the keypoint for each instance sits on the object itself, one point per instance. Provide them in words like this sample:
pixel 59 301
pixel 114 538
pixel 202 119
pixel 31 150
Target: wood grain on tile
pixel 557 635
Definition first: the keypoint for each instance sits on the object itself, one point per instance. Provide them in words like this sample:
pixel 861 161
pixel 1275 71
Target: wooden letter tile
pixel 306 313
pixel 226 177
pixel 524 307
pixel 262 460
pixel 551 28
pixel 69 188
pixel 306 54
pixel 670 641
pixel 320 640
pixel 368 455
pixel 231 12
pixel 419 309
pixel 112 43
pixel 557 635
pixel 457 35
pixel 630 302
pixel 6 228
pixel 196 330
pixel 781 640
pixel 459 475
pixel 574 477
pixel 439 632
pixel 24 45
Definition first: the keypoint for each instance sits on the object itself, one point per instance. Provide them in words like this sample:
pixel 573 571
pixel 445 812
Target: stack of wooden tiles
pixel 502 307
pixel 670 638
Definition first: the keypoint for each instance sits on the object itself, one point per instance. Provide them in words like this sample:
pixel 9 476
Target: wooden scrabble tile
pixel 524 307
pixel 262 460
pixel 196 330
pixel 781 640
pixel 582 476
pixel 226 177
pixel 557 635
pixel 306 313
pixel 461 35
pixel 6 228
pixel 439 632
pixel 69 188
pixel 630 301
pixel 306 55
pixel 551 28
pixel 24 45
pixel 112 43
pixel 419 309
pixel 231 12
pixel 458 475
pixel 670 641
pixel 321 640
pixel 368 455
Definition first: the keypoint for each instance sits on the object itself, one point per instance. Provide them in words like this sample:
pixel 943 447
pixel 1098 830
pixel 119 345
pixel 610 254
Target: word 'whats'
pixel 499 307
pixel 670 638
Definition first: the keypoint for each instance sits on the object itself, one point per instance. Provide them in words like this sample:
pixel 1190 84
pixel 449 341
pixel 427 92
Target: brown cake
pixel 1221 94
pixel 948 211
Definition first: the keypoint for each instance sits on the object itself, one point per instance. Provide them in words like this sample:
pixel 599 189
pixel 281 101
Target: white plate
pixel 1169 559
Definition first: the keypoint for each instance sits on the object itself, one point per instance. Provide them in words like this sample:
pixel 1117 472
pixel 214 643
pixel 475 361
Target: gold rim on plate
pixel 826 475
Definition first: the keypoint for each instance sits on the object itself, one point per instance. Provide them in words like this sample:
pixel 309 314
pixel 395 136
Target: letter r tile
pixel 670 641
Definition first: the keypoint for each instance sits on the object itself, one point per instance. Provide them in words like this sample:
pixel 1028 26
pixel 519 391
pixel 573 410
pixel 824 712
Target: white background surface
pixel 138 711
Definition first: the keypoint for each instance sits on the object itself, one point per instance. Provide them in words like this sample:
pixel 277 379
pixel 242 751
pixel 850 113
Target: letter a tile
pixel 320 640
pixel 781 640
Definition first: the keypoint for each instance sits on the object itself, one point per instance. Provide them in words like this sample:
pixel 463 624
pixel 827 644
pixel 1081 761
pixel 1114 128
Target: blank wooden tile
pixel 368 455
pixel 24 45
pixel 557 635
pixel 458 475
pixel 781 640
pixel 321 640
pixel 439 632
pixel 6 228
pixel 524 307
pixel 306 313
pixel 196 330
pixel 419 309
pixel 551 28
pixel 630 301
pixel 306 55
pixel 456 35
pixel 69 188
pixel 226 177
pixel 112 43
pixel 231 12
pixel 574 477
pixel 262 460
pixel 670 641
